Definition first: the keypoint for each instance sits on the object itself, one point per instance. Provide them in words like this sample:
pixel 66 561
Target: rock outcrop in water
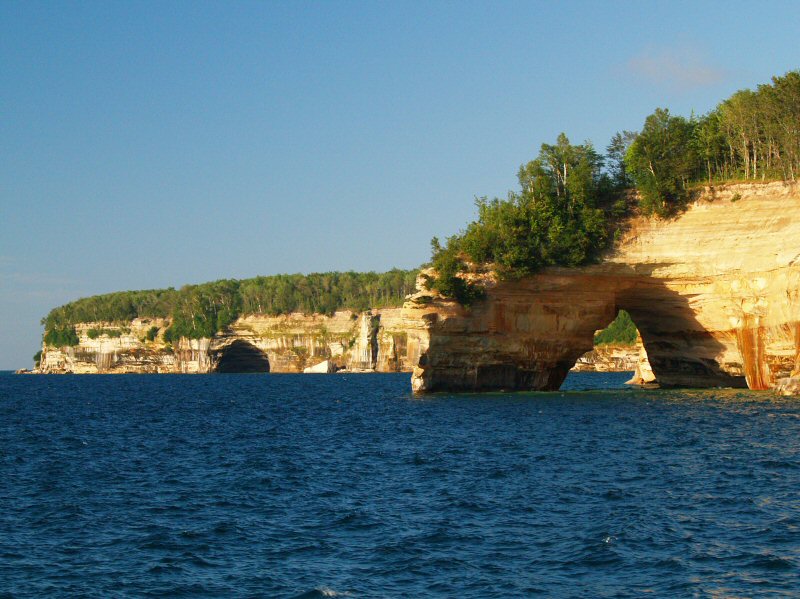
pixel 715 294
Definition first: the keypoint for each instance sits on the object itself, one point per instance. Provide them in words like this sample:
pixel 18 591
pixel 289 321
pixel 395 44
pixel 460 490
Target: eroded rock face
pixel 715 294
pixel 609 358
pixel 370 341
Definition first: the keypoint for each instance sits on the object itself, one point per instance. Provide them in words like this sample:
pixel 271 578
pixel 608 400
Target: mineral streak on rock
pixel 714 292
pixel 371 341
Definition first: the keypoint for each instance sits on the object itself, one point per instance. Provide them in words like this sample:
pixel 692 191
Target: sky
pixel 155 144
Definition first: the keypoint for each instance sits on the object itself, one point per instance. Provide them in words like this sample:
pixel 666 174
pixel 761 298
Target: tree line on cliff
pixel 572 199
pixel 198 311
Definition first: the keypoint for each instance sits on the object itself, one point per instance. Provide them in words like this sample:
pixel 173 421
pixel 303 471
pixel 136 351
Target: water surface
pixel 308 485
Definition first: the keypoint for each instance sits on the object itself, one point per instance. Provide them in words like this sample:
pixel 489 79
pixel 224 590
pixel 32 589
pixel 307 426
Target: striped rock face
pixel 371 341
pixel 715 294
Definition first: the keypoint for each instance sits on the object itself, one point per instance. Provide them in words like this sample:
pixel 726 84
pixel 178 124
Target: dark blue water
pixel 312 486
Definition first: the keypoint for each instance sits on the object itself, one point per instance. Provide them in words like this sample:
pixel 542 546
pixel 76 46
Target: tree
pixel 662 161
pixel 615 154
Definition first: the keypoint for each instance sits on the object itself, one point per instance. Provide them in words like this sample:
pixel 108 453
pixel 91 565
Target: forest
pixel 201 310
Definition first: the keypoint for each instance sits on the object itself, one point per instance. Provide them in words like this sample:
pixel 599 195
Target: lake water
pixel 347 485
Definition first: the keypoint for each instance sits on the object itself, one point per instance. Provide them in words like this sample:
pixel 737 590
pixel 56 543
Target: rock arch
pixel 715 294
pixel 240 357
pixel 617 355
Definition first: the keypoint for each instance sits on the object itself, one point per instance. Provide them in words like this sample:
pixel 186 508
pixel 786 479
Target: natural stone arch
pixel 529 333
pixel 241 357
pixel 617 355
pixel 682 351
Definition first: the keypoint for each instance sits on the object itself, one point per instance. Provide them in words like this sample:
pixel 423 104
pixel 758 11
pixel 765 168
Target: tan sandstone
pixel 715 294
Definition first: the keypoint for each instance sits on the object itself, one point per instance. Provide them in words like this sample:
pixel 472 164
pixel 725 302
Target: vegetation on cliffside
pixel 621 331
pixel 202 310
pixel 61 336
pixel 562 215
pixel 572 199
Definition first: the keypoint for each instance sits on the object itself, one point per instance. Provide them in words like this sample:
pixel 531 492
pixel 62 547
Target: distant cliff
pixel 374 340
pixel 714 292
pixel 280 323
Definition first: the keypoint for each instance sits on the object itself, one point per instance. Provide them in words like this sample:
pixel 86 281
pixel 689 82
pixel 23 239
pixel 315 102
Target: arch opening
pixel 243 358
pixel 618 354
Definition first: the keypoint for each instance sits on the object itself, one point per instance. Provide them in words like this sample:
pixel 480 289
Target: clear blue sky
pixel 153 144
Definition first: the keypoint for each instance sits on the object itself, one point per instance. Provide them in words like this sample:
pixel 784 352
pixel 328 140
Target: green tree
pixel 61 337
pixel 663 161
pixel 559 217
pixel 621 331
pixel 615 154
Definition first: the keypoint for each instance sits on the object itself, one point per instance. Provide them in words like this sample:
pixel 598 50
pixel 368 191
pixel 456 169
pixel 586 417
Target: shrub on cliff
pixel 95 333
pixel 61 337
pixel 561 216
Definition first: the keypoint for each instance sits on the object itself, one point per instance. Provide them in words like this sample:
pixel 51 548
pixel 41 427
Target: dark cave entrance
pixel 242 357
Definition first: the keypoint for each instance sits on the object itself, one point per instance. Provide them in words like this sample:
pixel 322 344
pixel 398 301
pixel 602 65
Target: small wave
pixel 773 562
pixel 354 520
pixel 780 464
pixel 319 593
pixel 614 494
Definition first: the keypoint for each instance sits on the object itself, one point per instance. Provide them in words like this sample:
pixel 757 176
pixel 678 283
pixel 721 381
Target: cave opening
pixel 243 358
pixel 618 357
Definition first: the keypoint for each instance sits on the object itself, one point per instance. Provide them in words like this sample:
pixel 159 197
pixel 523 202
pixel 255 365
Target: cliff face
pixel 609 358
pixel 371 341
pixel 715 294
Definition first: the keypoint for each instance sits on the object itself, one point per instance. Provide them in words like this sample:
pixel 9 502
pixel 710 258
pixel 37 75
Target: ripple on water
pixel 288 486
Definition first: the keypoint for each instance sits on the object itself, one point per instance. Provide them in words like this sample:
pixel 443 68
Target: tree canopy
pixel 560 216
pixel 202 310
pixel 662 160
pixel 571 198
pixel 621 331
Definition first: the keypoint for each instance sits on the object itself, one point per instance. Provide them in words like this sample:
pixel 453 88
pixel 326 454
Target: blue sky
pixel 153 144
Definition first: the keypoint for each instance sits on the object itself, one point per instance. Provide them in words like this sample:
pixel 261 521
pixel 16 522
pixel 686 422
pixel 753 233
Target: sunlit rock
pixel 715 294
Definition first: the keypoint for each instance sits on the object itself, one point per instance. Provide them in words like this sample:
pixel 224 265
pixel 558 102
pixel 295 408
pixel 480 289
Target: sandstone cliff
pixel 715 294
pixel 609 358
pixel 370 341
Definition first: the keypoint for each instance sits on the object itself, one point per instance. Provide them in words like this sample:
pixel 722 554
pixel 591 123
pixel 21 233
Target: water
pixel 314 486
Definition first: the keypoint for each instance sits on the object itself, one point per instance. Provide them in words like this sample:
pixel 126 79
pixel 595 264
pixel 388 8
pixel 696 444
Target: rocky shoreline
pixel 346 342
pixel 714 292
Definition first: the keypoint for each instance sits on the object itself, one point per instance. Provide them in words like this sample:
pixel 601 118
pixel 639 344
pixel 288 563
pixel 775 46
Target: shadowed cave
pixel 242 357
